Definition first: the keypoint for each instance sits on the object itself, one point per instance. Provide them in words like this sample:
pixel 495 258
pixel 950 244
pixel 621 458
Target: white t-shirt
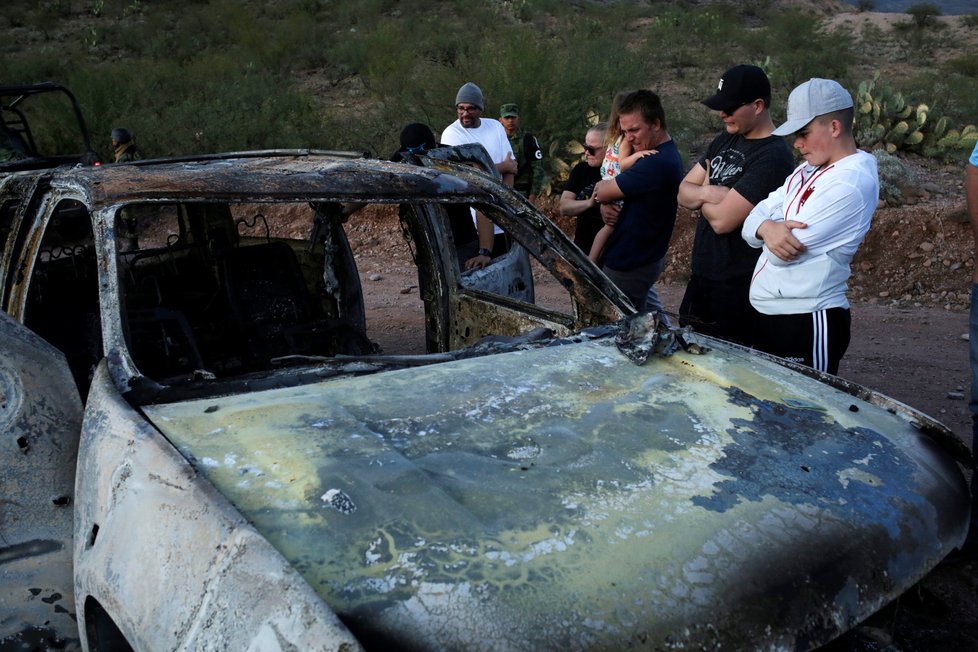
pixel 490 134
pixel 837 203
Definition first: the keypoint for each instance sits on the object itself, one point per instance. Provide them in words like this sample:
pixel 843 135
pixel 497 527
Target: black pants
pixel 817 339
pixel 500 244
pixel 719 308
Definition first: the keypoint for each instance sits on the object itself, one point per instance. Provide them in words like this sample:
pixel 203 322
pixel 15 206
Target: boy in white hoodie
pixel 809 229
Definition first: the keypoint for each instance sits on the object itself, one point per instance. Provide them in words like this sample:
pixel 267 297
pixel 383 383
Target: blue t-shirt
pixel 974 156
pixel 651 187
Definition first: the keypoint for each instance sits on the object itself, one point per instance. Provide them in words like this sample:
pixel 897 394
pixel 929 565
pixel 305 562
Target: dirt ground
pixel 910 296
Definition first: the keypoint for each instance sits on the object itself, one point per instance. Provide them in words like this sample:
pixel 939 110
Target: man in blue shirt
pixel 636 251
pixel 971 195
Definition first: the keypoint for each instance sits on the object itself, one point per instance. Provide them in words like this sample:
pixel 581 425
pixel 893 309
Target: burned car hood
pixel 564 497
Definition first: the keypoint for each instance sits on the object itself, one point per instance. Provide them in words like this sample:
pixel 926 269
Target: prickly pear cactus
pixel 886 120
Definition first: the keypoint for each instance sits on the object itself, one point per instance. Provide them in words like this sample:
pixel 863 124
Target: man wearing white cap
pixel 809 229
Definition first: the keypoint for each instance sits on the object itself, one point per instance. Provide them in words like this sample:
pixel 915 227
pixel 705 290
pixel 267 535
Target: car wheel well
pixel 101 630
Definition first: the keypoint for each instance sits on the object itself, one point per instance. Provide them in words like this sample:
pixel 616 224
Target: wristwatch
pixel 485 252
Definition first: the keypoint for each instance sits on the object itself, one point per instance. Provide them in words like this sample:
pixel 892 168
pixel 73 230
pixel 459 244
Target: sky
pixel 947 7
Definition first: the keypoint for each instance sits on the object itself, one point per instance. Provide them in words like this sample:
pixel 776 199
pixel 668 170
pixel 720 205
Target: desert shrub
pixel 966 65
pixel 686 32
pixel 920 35
pixel 971 20
pixel 895 177
pixel 212 104
pixel 924 15
pixel 195 76
pixel 800 49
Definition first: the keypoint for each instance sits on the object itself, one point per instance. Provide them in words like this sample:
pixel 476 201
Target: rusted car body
pixel 52 106
pixel 205 447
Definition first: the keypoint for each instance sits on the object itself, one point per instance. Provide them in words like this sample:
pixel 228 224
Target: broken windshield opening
pixel 217 290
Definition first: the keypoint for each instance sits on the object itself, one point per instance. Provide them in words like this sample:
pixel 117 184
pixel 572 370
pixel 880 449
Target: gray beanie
pixel 470 94
pixel 122 135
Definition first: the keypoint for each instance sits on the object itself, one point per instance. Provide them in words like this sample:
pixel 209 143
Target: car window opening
pixel 62 300
pixel 213 290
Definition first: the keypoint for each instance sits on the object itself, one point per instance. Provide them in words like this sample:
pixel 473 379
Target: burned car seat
pixel 273 310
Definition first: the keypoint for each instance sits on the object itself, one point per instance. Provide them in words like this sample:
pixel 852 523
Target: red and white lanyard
pixel 805 189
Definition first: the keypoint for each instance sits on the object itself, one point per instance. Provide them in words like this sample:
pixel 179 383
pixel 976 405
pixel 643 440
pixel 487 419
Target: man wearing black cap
pixel 529 157
pixel 742 165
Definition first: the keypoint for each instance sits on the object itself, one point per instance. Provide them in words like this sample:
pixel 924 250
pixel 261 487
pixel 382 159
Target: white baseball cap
pixel 809 100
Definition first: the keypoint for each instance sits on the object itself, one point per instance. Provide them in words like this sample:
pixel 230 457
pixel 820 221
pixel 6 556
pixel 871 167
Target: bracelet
pixel 485 252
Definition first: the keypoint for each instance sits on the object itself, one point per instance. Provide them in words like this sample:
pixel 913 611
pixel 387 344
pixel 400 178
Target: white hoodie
pixel 837 203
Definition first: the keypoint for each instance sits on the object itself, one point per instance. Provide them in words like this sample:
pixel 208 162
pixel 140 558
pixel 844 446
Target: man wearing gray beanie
pixel 471 128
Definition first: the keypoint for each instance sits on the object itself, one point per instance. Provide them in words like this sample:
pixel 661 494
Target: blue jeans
pixel 973 356
pixel 973 406
pixel 639 285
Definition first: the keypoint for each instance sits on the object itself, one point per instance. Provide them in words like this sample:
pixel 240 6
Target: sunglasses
pixel 419 149
pixel 730 110
pixel 591 150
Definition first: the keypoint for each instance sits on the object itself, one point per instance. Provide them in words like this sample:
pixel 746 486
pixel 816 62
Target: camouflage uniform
pixel 126 153
pixel 529 157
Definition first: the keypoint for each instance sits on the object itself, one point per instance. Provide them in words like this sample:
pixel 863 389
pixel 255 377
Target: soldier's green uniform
pixel 124 149
pixel 529 156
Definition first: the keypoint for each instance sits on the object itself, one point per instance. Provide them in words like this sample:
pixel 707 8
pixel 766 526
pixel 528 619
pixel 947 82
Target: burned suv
pixel 54 109
pixel 207 443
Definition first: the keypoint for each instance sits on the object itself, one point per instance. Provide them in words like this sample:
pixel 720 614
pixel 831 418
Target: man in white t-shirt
pixel 809 229
pixel 471 128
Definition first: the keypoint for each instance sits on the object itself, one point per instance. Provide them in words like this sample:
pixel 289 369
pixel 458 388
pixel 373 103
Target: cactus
pixel 914 138
pixel 898 104
pixel 922 110
pixel 885 119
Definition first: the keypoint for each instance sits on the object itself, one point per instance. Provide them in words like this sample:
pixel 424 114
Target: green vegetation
pixel 895 177
pixel 194 76
pixel 924 15
pixel 884 118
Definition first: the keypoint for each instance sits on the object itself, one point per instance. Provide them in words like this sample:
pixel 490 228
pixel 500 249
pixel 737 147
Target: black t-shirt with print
pixel 753 167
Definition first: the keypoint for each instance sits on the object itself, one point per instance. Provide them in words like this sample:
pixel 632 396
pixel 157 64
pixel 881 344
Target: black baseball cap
pixel 738 86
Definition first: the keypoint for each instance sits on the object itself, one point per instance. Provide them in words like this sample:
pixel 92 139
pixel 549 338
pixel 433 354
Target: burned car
pixel 207 445
pixel 54 109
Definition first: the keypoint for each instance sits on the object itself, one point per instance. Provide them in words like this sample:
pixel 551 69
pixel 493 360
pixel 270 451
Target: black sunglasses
pixel 730 110
pixel 591 150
